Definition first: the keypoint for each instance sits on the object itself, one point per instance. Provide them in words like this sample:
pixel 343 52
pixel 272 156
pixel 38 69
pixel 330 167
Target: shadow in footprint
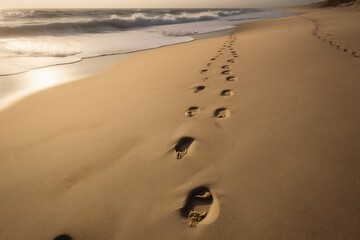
pixel 63 237
pixel 192 111
pixel 199 89
pixel 222 113
pixel 227 93
pixel 226 72
pixel 225 67
pixel 231 79
pixel 231 61
pixel 182 147
pixel 204 71
pixel 197 205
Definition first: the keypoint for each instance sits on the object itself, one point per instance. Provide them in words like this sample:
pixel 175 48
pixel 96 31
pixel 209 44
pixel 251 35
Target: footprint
pixel 192 111
pixel 227 93
pixel 199 89
pixel 225 67
pixel 226 72
pixel 197 205
pixel 231 79
pixel 182 147
pixel 63 237
pixel 234 52
pixel 222 113
pixel 204 71
pixel 209 64
pixel 231 61
pixel 213 59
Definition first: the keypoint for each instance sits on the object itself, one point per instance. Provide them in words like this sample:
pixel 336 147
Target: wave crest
pixel 114 23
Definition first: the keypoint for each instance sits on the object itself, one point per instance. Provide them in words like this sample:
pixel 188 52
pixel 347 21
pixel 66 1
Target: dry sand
pixel 275 157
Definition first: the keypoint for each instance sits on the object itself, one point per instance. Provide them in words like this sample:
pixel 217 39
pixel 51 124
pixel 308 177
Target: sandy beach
pixel 254 135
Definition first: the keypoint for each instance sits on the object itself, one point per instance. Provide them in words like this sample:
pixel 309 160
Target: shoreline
pixel 211 34
pixel 241 136
pixel 79 67
pixel 9 94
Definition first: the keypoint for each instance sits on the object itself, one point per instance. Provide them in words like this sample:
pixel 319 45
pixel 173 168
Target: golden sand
pixel 254 135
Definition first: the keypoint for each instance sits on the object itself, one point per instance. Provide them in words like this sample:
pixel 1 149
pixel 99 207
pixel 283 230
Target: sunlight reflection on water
pixel 16 87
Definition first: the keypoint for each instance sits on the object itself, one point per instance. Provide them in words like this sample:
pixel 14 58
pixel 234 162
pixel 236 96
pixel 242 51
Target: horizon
pixel 158 4
pixel 109 8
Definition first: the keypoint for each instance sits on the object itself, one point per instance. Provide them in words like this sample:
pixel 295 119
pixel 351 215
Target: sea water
pixel 31 39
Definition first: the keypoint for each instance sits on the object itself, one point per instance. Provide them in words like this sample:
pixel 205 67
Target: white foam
pixel 25 53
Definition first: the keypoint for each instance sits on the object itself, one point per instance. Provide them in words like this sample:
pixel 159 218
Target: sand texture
pixel 253 136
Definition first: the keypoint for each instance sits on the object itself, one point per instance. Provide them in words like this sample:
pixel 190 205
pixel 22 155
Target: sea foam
pixel 37 38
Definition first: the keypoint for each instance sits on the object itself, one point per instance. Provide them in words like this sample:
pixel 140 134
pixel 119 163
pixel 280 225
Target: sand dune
pixel 254 135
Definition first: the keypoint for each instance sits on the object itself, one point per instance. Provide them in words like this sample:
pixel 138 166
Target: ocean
pixel 31 39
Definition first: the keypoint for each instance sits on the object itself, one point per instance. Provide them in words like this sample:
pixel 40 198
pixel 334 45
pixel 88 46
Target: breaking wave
pixel 112 23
